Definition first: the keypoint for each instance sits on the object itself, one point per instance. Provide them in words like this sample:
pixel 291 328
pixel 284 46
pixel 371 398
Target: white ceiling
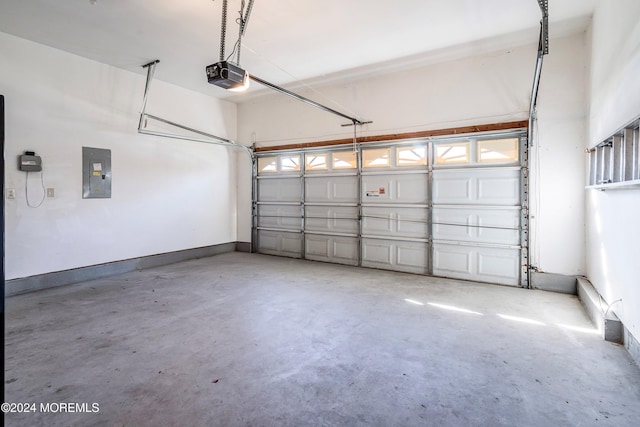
pixel 286 40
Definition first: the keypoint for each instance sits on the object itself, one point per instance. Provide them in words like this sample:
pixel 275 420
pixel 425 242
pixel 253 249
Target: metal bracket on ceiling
pixel 144 116
pixel 354 123
pixel 543 45
pixel 543 49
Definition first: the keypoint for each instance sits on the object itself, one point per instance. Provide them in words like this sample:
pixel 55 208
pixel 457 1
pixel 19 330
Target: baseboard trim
pixel 92 272
pixel 632 345
pixel 553 282
pixel 243 247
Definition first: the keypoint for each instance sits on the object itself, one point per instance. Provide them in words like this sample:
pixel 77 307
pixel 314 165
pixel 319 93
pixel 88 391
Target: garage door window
pixel 316 162
pixel 411 156
pixel 290 163
pixel 267 164
pixel 452 153
pixel 344 160
pixel 498 150
pixel 376 158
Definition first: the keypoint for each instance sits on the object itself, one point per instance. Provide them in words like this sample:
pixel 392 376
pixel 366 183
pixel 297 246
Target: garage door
pixel 395 202
pixel 331 226
pixel 446 207
pixel 279 206
pixel 476 209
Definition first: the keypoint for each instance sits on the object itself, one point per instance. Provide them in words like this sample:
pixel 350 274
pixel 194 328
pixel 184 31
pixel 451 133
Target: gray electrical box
pixel 29 162
pixel 96 173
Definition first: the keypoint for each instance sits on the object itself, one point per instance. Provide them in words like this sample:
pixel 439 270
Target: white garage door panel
pixel 376 253
pixel 401 188
pixel 477 225
pixel 403 222
pixel 498 265
pixel 449 188
pixel 339 189
pixel 452 261
pixel 279 190
pixel 331 219
pixel 477 186
pixel 443 230
pixel 499 226
pixel 410 257
pixel 499 191
pixel 280 243
pixel 280 216
pixel 495 265
pixel 339 250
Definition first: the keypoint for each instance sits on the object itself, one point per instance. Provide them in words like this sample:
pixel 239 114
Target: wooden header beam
pixel 408 135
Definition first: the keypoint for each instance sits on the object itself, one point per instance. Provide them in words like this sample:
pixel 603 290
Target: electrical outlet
pixel 51 192
pixel 11 193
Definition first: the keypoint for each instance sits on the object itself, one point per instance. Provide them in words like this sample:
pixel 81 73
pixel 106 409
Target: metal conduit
pixel 284 91
pixel 543 49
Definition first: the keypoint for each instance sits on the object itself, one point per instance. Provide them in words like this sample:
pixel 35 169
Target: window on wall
pixel 616 160
pixel 376 157
pixel 452 153
pixel 316 162
pixel 411 156
pixel 344 160
pixel 498 150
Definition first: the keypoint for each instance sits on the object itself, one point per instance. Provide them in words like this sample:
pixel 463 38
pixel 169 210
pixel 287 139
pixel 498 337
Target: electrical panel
pixel 96 173
pixel 29 162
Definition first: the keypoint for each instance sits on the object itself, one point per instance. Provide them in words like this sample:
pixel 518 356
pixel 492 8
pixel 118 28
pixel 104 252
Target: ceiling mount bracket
pixel 144 116
pixel 543 44
pixel 356 123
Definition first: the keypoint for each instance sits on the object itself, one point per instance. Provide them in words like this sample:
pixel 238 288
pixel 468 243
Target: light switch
pixel 11 193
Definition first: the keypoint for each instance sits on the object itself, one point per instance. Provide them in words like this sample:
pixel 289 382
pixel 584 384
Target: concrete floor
pixel 253 340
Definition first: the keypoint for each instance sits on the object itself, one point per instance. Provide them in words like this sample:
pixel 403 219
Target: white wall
pixel 167 195
pixel 613 231
pixel 488 88
pixel 557 185
pixel 615 67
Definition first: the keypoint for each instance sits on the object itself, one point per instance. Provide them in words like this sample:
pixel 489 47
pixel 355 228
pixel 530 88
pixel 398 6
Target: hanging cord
pixel 236 45
pixel 26 190
pixel 242 22
pixel 606 312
